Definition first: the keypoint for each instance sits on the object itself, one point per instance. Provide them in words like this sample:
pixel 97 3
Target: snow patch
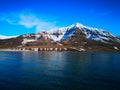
pixel 116 48
pixel 25 41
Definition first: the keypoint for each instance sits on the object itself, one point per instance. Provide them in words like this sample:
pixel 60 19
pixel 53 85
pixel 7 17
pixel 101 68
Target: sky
pixel 30 16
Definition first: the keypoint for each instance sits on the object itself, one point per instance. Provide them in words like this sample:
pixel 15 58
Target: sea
pixel 27 70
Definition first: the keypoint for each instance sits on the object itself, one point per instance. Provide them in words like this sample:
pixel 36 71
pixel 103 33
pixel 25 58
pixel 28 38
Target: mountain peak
pixel 76 36
pixel 79 25
pixel 76 25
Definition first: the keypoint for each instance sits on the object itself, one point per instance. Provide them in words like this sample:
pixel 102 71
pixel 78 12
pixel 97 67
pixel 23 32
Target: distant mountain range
pixel 6 37
pixel 77 36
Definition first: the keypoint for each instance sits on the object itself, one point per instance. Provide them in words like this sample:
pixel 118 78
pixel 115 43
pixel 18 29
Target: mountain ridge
pixel 91 33
pixel 76 36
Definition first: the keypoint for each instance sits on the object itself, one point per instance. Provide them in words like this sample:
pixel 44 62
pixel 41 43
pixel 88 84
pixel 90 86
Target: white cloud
pixel 29 20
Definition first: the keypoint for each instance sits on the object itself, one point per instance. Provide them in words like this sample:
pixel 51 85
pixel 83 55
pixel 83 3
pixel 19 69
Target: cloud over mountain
pixel 28 20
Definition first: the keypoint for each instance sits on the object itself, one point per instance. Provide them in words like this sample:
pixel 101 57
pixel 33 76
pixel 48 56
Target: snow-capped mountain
pixel 75 36
pixel 88 32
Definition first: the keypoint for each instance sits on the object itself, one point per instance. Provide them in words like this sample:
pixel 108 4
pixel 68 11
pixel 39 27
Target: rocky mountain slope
pixel 77 36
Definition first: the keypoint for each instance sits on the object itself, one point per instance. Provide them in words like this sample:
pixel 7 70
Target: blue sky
pixel 29 16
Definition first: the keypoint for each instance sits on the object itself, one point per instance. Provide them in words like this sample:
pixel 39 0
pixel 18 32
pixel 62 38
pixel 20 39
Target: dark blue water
pixel 59 71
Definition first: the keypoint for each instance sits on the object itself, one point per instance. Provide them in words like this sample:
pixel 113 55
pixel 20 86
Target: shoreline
pixel 75 50
pixel 37 49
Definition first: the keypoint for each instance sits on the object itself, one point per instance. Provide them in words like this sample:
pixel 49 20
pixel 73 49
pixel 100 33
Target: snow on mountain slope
pixel 60 33
pixel 65 32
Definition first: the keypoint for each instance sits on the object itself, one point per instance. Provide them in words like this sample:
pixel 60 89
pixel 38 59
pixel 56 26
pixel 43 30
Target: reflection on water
pixel 59 71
